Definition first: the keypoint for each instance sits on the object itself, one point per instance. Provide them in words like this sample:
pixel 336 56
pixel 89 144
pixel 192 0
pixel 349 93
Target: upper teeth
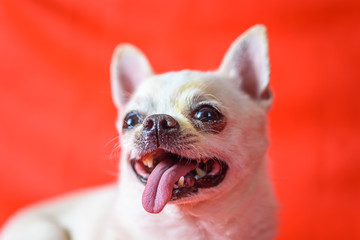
pixel 205 160
pixel 149 161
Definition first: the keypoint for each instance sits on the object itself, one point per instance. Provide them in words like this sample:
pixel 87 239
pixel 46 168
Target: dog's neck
pixel 246 213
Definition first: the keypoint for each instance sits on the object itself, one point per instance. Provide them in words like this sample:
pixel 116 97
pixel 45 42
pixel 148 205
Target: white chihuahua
pixel 193 156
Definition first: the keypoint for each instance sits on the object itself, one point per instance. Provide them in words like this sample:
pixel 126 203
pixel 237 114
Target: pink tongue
pixel 158 189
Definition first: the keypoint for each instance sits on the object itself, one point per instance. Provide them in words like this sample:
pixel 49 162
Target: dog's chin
pixel 205 173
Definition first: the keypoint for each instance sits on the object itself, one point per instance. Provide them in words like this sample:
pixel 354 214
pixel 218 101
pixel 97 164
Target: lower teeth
pixel 199 173
pixel 181 181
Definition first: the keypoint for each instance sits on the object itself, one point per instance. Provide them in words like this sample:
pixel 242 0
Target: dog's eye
pixel 131 120
pixel 207 114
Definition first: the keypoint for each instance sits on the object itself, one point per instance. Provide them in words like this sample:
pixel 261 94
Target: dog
pixel 193 160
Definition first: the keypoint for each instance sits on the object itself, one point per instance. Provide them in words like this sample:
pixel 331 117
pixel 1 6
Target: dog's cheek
pixel 127 140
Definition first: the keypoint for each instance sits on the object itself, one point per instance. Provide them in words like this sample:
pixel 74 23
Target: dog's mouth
pixel 170 177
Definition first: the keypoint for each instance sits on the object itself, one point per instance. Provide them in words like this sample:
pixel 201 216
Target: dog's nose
pixel 160 124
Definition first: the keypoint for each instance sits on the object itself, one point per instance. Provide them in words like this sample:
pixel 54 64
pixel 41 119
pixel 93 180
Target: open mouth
pixel 169 177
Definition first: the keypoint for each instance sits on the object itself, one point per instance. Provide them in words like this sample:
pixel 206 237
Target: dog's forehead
pixel 177 82
pixel 175 89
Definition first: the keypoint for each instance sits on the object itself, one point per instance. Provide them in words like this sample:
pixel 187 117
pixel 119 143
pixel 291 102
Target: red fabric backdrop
pixel 57 119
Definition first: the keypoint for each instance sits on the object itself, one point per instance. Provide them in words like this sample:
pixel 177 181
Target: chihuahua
pixel 193 164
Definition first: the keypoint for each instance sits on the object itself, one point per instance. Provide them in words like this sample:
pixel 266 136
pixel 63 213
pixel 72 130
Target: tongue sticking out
pixel 158 189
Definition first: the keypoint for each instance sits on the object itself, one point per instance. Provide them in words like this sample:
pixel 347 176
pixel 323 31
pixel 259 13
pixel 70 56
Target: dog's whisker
pixel 117 138
pixel 115 152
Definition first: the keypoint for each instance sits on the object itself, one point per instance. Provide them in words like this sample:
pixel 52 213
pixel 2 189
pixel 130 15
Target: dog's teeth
pixel 176 186
pixel 181 181
pixel 205 160
pixel 149 162
pixel 199 173
pixel 198 160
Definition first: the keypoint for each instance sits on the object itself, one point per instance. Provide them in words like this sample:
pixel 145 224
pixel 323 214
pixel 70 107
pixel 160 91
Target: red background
pixel 57 118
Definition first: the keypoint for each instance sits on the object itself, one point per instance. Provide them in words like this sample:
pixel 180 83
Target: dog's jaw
pixel 247 213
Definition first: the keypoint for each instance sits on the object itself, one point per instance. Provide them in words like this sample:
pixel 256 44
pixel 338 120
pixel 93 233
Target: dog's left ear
pixel 129 67
pixel 247 62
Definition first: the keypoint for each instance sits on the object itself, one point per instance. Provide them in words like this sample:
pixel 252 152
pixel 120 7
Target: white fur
pixel 241 207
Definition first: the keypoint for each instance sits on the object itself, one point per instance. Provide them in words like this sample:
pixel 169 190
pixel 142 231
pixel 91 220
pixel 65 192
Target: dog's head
pixel 190 135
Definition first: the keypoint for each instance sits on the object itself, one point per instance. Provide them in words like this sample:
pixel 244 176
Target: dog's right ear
pixel 247 62
pixel 129 67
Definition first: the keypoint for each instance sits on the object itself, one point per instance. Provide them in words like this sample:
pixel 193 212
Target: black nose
pixel 160 125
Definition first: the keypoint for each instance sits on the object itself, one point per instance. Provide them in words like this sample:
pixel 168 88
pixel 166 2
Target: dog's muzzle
pixel 167 174
pixel 159 130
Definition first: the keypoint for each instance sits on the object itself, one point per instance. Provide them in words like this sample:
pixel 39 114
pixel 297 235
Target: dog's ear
pixel 247 62
pixel 129 67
